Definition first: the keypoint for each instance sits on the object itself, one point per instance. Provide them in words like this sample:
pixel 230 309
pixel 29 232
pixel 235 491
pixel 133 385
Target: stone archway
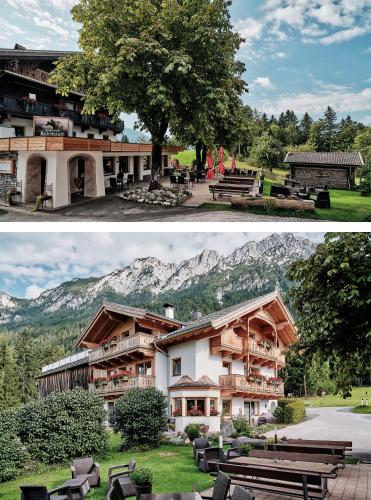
pixel 82 177
pixel 36 172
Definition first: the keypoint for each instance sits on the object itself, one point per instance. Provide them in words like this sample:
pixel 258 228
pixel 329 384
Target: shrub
pixel 244 449
pixel 241 424
pixel 140 417
pixel 192 431
pixel 290 411
pixel 13 454
pixel 142 476
pixel 63 426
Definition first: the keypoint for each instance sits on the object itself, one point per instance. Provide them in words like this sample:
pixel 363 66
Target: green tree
pixel 266 152
pixel 27 366
pixel 140 416
pixel 150 57
pixel 330 129
pixel 316 135
pixel 8 386
pixel 331 298
pixel 365 180
pixel 348 130
pixel 362 142
pixel 304 128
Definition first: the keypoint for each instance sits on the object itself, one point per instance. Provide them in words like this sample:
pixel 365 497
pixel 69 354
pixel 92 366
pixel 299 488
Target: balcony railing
pixel 264 351
pixel 141 340
pixel 13 105
pixel 140 381
pixel 239 383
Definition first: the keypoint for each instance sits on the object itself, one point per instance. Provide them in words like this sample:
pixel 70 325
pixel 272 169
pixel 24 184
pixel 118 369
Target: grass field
pixel 364 410
pixel 346 206
pixel 330 400
pixel 173 467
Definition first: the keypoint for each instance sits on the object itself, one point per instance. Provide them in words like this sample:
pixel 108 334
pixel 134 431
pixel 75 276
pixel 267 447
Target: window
pixel 90 136
pixel 19 131
pixel 214 408
pixel 177 409
pixel 177 367
pixel 105 137
pixel 125 335
pixel 144 368
pixel 108 166
pixel 227 407
pixel 227 368
pixel 195 407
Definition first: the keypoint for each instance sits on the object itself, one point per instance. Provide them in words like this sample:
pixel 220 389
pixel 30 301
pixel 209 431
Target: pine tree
pixel 304 127
pixel 8 387
pixel 330 129
pixel 27 366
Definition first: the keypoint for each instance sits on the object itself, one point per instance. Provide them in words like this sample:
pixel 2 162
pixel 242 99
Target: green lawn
pixel 173 467
pixel 365 410
pixel 329 400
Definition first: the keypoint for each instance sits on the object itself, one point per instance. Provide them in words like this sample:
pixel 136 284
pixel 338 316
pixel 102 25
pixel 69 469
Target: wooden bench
pixel 346 444
pixel 295 457
pixel 277 482
pixel 336 450
pixel 238 180
pixel 230 189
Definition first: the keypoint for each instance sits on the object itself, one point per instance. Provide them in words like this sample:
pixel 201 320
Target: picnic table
pixel 320 469
pixel 327 449
pixel 346 444
pixel 170 496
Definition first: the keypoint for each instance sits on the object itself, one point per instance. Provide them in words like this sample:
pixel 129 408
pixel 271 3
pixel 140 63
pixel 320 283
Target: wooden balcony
pixel 265 356
pixel 227 344
pixel 123 351
pixel 239 386
pixel 116 389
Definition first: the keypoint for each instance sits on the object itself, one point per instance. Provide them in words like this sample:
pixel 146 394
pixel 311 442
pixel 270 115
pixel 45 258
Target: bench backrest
pixel 237 182
pixel 347 444
pixel 262 473
pixel 298 457
pixel 296 448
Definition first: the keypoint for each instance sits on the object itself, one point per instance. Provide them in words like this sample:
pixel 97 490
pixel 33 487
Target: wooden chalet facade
pixel 225 363
pixel 334 170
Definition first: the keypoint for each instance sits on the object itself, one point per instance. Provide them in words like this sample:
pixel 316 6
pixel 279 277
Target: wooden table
pixel 79 487
pixel 289 465
pixel 171 496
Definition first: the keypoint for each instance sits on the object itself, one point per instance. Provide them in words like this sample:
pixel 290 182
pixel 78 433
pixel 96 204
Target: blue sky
pixel 300 54
pixel 33 262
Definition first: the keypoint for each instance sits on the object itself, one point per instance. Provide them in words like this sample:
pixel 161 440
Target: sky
pixel 299 54
pixel 33 262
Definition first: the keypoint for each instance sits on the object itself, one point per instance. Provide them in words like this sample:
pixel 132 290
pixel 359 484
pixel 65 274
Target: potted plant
pixel 142 478
pixel 244 449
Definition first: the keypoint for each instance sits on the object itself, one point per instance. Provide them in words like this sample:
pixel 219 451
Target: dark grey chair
pixel 122 479
pixel 210 460
pixel 38 492
pixel 234 451
pixel 86 468
pixel 115 491
pixel 242 494
pixel 199 445
pixel 220 489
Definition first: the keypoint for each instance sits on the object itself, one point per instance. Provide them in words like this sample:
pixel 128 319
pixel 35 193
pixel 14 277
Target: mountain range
pixel 209 281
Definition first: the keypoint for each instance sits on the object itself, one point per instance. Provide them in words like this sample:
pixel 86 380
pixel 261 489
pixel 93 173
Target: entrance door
pixel 251 408
pixel 136 168
pixel 42 175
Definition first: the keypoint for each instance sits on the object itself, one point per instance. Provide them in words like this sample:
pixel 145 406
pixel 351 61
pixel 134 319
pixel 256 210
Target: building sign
pixel 52 126
pixel 7 167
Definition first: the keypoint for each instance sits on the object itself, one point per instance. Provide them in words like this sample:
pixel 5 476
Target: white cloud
pixel 33 291
pixel 344 35
pixel 263 81
pixel 250 29
pixel 280 55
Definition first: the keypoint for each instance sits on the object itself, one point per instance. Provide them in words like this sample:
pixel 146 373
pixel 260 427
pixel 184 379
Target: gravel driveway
pixel 333 424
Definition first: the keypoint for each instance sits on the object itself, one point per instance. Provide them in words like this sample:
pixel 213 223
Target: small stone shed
pixel 335 170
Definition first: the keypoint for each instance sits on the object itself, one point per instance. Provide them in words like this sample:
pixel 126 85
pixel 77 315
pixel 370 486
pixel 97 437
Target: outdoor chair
pixel 199 445
pixel 115 491
pixel 241 494
pixel 192 178
pixel 121 478
pixel 37 492
pixel 182 181
pixel 131 180
pixel 220 489
pixel 173 180
pixel 210 460
pixel 323 200
pixel 86 468
pixel 200 175
pixel 113 184
pixel 234 451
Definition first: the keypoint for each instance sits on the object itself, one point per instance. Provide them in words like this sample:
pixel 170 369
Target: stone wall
pixel 321 176
pixel 8 182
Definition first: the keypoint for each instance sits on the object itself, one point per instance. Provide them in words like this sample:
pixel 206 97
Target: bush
pixel 140 417
pixel 192 431
pixel 290 411
pixel 142 476
pixel 241 424
pixel 245 449
pixel 63 426
pixel 13 454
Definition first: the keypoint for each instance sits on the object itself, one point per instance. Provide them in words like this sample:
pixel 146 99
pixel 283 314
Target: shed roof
pixel 348 159
pixel 42 55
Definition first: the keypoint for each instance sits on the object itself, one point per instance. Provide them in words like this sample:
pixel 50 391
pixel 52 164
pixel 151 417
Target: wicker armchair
pixel 210 460
pixel 220 490
pixel 242 494
pixel 37 492
pixel 86 468
pixel 199 445
pixel 115 491
pixel 121 479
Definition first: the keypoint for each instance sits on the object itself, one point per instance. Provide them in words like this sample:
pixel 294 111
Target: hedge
pixel 63 426
pixel 140 416
pixel 290 411
pixel 13 454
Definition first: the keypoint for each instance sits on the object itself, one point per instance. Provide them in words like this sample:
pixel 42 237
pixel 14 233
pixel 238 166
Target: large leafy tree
pixel 331 297
pixel 266 152
pixel 152 57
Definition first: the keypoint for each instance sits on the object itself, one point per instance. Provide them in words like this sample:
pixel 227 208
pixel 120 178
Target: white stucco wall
pixel 187 353
pixel 207 364
pixel 212 422
pixel 238 367
pixel 161 368
pixel 237 406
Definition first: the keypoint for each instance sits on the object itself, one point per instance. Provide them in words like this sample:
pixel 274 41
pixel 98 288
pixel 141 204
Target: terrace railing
pixel 272 352
pixel 240 383
pixel 141 340
pixel 140 381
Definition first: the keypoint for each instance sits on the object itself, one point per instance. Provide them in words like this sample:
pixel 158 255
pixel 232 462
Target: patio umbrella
pixel 233 164
pixel 221 161
pixel 209 159
pixel 210 173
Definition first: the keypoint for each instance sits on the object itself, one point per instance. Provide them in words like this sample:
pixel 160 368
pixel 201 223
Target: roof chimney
pixel 169 311
pixel 196 314
pixel 17 46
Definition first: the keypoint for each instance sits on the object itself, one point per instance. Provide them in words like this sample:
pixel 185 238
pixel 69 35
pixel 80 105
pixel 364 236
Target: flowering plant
pixel 177 412
pixel 121 375
pixel 274 380
pixel 196 412
pixel 214 412
pixel 99 380
pixel 28 100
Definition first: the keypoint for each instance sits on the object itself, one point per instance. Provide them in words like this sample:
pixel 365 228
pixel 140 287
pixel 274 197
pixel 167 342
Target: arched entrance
pixel 82 177
pixel 35 177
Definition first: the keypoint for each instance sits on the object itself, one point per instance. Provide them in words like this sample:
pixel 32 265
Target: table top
pixel 312 445
pixel 310 467
pixel 78 481
pixel 170 496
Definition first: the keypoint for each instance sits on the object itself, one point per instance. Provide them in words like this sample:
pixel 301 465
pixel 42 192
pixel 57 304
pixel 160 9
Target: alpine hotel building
pixel 225 363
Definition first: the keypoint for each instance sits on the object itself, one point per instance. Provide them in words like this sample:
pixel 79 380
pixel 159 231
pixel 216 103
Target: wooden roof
pixel 33 55
pixel 348 159
pixel 76 144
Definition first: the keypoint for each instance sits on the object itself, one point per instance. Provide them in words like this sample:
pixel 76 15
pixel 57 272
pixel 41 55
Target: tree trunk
pixel 156 164
pixel 204 155
pixel 198 156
